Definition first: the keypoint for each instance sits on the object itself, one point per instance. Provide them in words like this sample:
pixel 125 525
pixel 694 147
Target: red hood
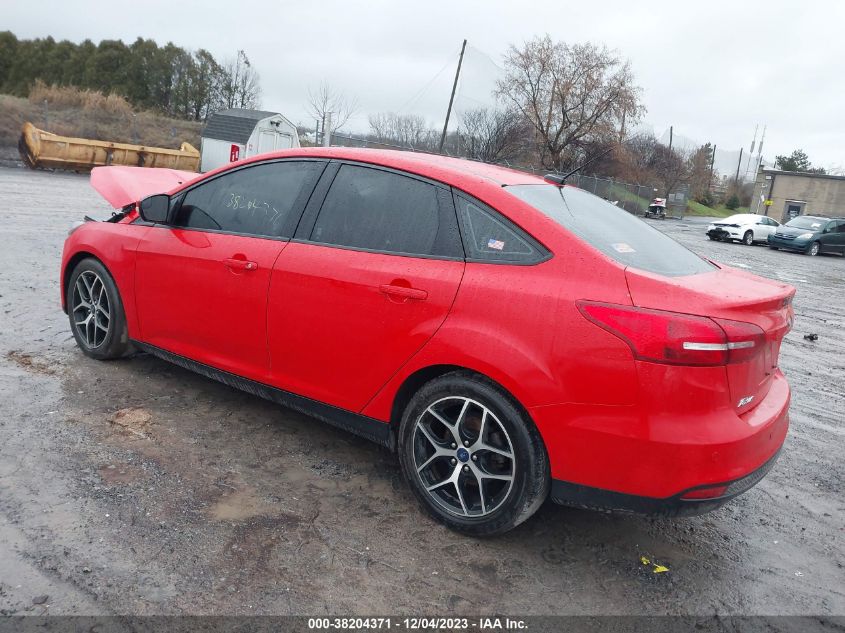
pixel 126 185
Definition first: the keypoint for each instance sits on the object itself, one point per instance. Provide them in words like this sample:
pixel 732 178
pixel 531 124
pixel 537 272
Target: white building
pixel 231 135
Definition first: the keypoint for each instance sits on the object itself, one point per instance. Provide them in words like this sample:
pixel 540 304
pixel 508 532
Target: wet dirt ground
pixel 138 487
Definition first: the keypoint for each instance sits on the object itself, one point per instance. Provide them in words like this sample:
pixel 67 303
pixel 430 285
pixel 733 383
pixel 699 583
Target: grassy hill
pixel 720 211
pixel 87 114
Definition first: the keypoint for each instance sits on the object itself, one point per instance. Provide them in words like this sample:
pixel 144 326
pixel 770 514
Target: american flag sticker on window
pixel 497 244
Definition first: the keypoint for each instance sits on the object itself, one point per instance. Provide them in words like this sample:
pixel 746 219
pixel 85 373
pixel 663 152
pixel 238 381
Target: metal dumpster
pixel 43 149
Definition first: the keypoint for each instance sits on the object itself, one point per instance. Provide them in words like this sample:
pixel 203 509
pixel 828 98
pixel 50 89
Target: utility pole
pixel 622 129
pixel 712 160
pixel 327 130
pixel 671 132
pixel 757 174
pixel 751 152
pixel 452 98
pixel 738 163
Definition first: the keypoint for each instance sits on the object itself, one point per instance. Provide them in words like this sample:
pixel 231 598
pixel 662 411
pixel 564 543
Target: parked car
pixel 811 235
pixel 744 227
pixel 511 339
pixel 657 209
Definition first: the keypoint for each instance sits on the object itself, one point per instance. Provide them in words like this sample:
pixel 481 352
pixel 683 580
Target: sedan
pixel 509 337
pixel 811 235
pixel 747 228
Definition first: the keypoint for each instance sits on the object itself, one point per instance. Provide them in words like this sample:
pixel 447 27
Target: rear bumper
pixel 645 457
pixel 579 496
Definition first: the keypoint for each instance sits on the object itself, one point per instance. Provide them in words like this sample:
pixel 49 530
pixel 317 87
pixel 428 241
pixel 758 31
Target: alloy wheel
pixel 463 457
pixel 91 310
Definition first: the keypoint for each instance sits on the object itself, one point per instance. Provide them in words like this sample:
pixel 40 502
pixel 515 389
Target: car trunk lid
pixel 734 295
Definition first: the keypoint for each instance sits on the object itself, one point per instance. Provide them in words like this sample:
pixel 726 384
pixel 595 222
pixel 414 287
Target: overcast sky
pixel 711 69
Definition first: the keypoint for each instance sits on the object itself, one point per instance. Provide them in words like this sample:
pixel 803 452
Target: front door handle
pixel 403 292
pixel 239 264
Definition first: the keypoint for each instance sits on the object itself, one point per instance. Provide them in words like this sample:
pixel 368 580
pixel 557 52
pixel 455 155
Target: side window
pixel 259 200
pixel 840 227
pixel 383 211
pixel 490 237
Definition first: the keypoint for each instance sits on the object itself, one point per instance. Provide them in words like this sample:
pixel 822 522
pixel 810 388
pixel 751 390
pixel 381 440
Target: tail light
pixel 675 338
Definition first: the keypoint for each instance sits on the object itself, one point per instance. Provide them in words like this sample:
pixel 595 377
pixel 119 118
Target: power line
pixel 421 91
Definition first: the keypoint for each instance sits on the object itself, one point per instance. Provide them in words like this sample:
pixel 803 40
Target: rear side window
pixel 383 211
pixel 488 237
pixel 259 200
pixel 611 230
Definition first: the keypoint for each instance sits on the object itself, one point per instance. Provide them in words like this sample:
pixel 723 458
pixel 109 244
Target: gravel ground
pixel 138 487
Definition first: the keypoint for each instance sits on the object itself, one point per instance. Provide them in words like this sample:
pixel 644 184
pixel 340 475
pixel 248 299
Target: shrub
pixel 706 199
pixel 732 202
pixel 68 96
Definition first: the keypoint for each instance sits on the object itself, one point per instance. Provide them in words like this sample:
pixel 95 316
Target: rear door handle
pixel 240 264
pixel 403 292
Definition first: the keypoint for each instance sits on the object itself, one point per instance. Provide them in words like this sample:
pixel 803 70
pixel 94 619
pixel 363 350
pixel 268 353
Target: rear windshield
pixel 613 231
pixel 807 223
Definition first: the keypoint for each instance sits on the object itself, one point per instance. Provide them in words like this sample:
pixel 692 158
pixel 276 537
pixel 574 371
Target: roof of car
pixel 434 166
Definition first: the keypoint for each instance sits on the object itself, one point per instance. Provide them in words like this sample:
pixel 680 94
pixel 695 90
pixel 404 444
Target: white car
pixel 744 227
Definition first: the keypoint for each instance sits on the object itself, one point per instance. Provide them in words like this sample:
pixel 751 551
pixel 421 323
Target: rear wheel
pixel 96 313
pixel 471 457
pixel 748 238
pixel 814 249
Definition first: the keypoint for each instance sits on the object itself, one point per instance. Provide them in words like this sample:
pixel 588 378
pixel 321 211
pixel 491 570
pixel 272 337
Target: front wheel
pixel 472 458
pixel 748 238
pixel 814 249
pixel 96 313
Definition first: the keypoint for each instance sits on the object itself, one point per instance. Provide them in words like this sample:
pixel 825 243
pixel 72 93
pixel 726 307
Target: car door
pixel 371 276
pixel 827 237
pixel 202 281
pixel 836 236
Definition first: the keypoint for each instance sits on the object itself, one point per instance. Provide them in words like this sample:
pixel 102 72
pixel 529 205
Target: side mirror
pixel 155 208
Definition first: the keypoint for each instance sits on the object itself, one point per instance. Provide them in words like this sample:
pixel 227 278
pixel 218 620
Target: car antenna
pixel 561 180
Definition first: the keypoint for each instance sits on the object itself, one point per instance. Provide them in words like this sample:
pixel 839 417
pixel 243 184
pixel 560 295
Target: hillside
pixel 87 114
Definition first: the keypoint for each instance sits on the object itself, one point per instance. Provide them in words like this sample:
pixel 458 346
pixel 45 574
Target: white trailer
pixel 232 135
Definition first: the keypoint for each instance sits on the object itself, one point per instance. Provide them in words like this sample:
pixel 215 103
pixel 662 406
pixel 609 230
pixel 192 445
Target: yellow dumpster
pixel 43 149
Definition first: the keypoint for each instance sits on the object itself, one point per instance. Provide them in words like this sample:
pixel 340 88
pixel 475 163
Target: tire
pixel 774 248
pixel 710 237
pixel 813 249
pixel 748 238
pixel 448 476
pixel 99 326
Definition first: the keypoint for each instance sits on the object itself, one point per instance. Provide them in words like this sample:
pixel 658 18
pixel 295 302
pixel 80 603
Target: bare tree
pixel 408 130
pixel 637 158
pixel 671 167
pixel 698 168
pixel 491 135
pixel 569 93
pixel 326 99
pixel 239 85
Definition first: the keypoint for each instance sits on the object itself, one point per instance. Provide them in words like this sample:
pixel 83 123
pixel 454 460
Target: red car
pixel 511 338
